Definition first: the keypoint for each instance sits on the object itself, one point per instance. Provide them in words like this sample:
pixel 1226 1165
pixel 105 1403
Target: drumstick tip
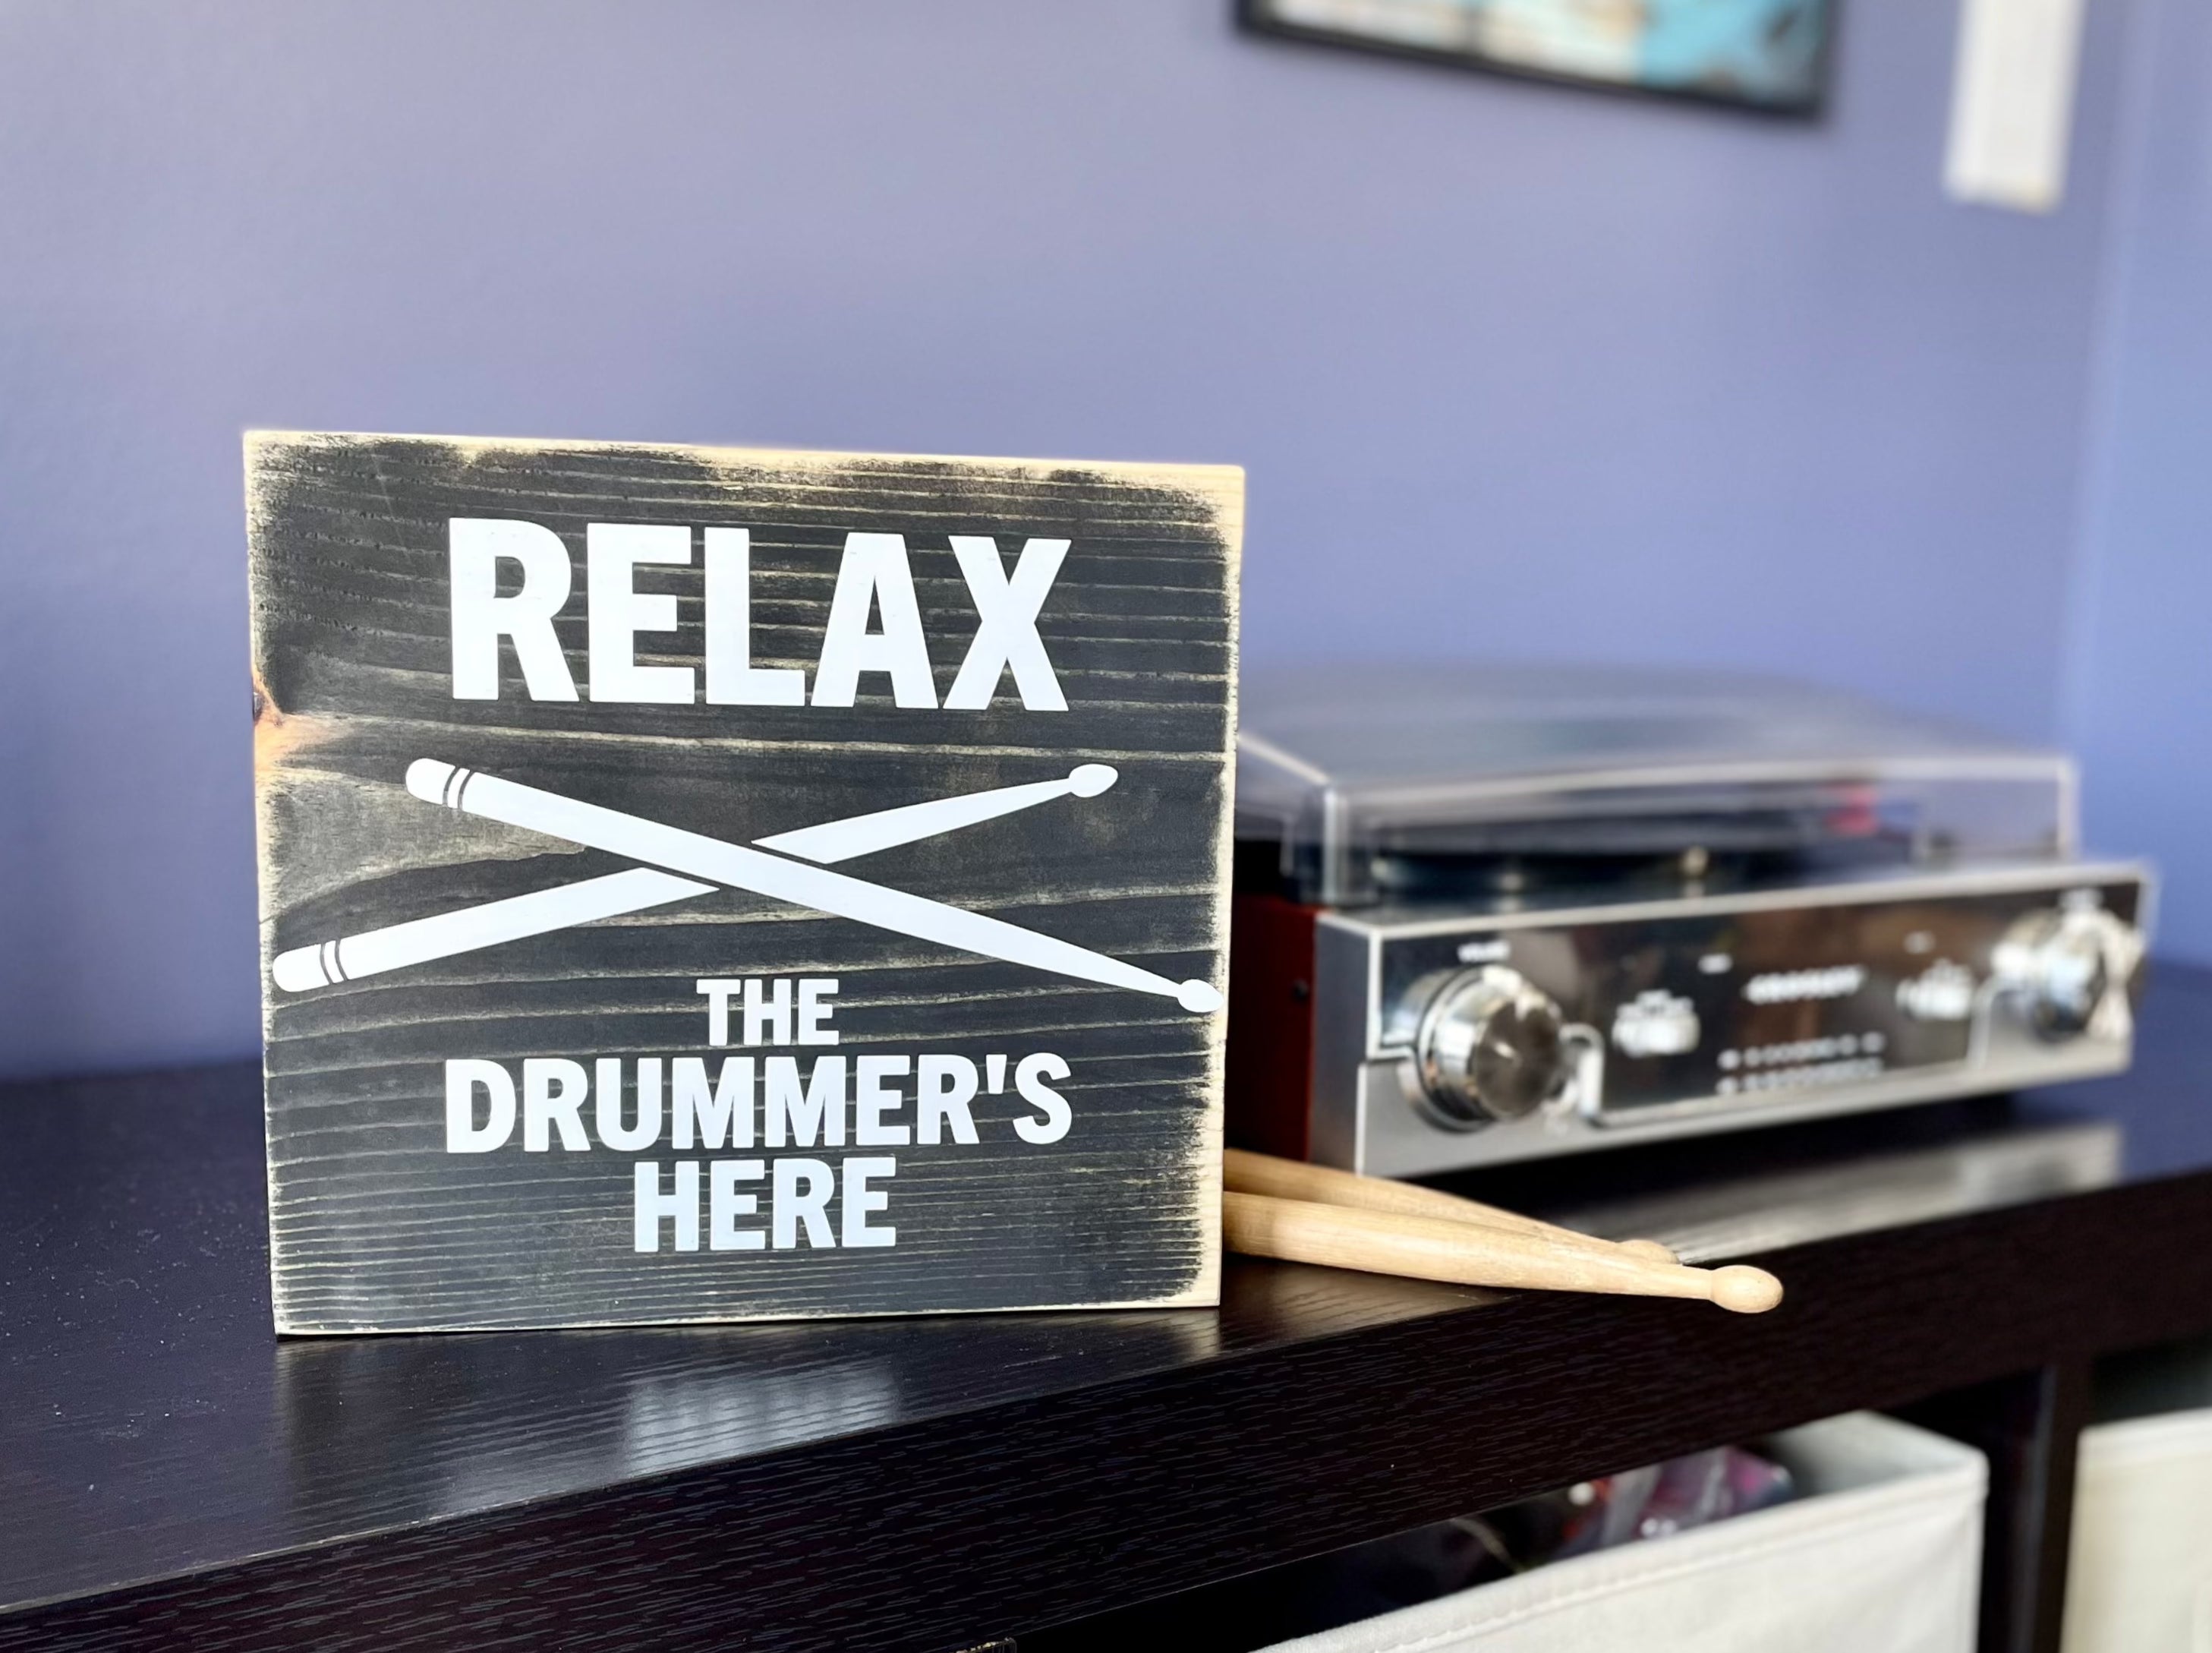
pixel 1742 1290
pixel 1200 997
pixel 1089 780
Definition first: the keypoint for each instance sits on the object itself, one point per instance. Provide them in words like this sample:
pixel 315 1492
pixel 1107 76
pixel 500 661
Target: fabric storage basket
pixel 1881 1553
pixel 2139 1578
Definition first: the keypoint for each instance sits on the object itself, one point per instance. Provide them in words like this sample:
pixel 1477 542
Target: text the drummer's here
pixel 747 1101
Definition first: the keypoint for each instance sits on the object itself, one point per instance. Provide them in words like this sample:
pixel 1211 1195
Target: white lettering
pixel 1790 986
pixel 481 616
pixel 1007 637
pixel 728 1108
pixel 619 611
pixel 875 581
pixel 725 1206
pixel 944 1086
pixel 462 1134
pixel 860 1199
pixel 719 992
pixel 870 1101
pixel 875 573
pixel 795 1208
pixel 681 1207
pixel 553 1088
pixel 1028 1077
pixel 647 1129
pixel 732 680
pixel 813 1014
pixel 799 1117
pixel 770 1014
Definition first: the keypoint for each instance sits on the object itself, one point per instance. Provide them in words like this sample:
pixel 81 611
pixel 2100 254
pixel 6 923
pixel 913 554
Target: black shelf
pixel 174 1473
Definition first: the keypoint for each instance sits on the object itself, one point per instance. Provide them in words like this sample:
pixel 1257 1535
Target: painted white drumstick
pixel 303 968
pixel 802 885
pixel 841 840
pixel 422 940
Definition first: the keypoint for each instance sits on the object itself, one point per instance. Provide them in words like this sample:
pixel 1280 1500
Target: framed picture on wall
pixel 1761 54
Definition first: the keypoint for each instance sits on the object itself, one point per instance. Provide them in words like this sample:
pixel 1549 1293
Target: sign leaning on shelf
pixel 717 884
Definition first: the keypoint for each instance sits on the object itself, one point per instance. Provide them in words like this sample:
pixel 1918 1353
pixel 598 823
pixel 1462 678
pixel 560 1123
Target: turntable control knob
pixel 1490 1047
pixel 1944 991
pixel 1656 1023
pixel 2064 963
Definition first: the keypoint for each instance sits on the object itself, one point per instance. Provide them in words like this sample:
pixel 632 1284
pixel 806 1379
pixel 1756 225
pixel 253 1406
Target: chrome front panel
pixel 1709 1013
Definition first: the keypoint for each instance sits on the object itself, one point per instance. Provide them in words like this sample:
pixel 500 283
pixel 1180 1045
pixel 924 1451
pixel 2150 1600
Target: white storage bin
pixel 1881 1554
pixel 2139 1578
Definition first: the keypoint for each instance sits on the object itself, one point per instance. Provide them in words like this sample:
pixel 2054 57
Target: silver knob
pixel 1656 1023
pixel 2064 963
pixel 1944 991
pixel 1490 1047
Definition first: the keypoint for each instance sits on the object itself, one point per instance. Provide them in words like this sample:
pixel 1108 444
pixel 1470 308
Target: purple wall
pixel 2140 692
pixel 1516 371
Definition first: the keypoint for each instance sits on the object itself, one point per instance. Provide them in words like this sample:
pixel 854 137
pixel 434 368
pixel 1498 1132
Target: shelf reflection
pixel 376 1429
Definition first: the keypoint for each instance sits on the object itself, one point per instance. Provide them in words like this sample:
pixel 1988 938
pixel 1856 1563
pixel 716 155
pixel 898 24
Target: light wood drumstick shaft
pixel 1248 1173
pixel 1464 1254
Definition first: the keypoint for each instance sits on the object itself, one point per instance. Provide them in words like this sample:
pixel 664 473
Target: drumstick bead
pixel 1463 1254
pixel 1248 1173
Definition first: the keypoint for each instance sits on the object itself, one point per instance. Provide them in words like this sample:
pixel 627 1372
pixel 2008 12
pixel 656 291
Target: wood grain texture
pixel 374 1226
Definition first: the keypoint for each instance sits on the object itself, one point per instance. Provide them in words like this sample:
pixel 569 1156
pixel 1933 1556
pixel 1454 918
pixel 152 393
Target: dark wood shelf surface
pixel 171 1471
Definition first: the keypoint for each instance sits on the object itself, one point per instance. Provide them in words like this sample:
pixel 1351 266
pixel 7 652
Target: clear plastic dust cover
pixel 1366 785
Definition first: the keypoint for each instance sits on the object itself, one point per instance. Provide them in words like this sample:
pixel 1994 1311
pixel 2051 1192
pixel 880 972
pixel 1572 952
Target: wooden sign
pixel 709 884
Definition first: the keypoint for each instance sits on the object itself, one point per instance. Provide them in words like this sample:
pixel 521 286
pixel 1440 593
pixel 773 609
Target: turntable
pixel 1490 915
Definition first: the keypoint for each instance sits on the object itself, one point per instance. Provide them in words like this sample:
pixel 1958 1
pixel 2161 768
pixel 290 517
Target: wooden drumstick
pixel 1248 1172
pixel 1465 1254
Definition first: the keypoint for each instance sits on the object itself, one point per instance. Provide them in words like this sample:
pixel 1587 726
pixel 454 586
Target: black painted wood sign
pixel 712 884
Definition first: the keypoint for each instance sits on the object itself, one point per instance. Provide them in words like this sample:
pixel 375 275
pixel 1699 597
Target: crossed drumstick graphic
pixel 787 867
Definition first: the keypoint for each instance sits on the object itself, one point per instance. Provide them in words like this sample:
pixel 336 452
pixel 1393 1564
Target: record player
pixel 1492 915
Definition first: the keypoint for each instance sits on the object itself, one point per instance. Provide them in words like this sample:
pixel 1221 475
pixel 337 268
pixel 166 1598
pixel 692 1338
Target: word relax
pixel 873 575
